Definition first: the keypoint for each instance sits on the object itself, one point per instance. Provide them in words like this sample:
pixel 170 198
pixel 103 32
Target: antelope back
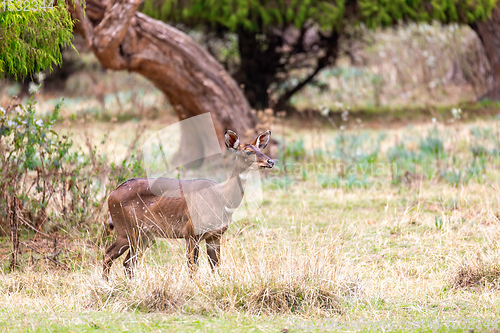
pixel 134 208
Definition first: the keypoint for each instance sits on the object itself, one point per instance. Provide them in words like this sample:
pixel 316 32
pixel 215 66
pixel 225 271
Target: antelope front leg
pixel 213 251
pixel 192 252
pixel 114 251
pixel 130 262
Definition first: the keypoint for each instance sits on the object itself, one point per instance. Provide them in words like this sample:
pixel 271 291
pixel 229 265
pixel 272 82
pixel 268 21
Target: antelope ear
pixel 262 140
pixel 232 140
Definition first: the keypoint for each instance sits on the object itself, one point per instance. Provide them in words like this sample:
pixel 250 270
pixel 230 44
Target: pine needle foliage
pixel 31 35
pixel 255 16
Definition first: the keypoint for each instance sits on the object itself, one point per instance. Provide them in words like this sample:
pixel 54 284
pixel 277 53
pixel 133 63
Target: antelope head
pixel 247 154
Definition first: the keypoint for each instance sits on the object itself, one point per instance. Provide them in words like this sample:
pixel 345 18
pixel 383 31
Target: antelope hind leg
pixel 192 252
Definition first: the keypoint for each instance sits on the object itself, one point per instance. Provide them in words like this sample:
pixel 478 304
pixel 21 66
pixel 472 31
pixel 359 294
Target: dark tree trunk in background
pixel 192 80
pixel 258 67
pixel 276 65
pixel 56 80
pixel 489 33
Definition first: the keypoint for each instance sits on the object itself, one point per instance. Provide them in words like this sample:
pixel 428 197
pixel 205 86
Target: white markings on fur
pixel 230 210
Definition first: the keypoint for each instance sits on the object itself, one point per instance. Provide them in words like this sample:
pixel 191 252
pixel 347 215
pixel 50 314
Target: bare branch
pixel 324 61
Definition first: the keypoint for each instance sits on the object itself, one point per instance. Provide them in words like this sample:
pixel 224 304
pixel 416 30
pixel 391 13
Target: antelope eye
pixel 248 152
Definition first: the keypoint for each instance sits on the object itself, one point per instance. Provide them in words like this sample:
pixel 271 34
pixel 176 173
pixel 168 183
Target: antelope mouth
pixel 267 165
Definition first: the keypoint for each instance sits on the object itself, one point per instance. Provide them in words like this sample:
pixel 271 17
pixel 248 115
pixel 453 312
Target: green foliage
pixel 385 13
pixel 438 222
pixel 356 148
pixel 255 16
pixel 263 28
pixel 31 35
pixel 56 183
pixel 249 15
pixel 357 159
pixel 35 160
pixel 432 144
pixel 294 151
pixel 349 182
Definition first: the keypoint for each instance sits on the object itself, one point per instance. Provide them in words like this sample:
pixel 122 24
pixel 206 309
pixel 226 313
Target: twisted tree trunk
pixel 489 33
pixel 192 80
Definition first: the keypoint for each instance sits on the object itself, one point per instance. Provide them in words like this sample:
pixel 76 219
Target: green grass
pixel 20 320
pixel 355 246
pixel 393 267
pixel 323 252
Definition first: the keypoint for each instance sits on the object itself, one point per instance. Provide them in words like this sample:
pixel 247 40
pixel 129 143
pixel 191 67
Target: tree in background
pixel 274 38
pixel 489 33
pixel 192 80
pixel 31 36
pixel 277 37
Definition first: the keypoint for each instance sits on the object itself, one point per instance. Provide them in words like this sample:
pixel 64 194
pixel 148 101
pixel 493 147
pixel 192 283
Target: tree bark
pixel 489 33
pixel 258 67
pixel 192 80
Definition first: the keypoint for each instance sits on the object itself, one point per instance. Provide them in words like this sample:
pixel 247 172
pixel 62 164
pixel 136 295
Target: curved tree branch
pixel 192 80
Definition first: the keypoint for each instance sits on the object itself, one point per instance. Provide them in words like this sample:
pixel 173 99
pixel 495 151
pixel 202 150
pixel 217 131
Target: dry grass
pixel 311 253
pixel 318 254
pixel 476 272
pixel 290 282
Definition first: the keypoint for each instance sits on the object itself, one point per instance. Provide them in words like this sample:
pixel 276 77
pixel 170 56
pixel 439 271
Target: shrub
pixel 48 185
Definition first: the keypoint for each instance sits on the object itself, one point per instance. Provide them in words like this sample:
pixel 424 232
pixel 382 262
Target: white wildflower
pixel 345 115
pixel 324 110
pixel 33 88
pixel 456 113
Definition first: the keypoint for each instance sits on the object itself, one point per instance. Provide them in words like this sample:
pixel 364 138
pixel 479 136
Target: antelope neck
pixel 234 187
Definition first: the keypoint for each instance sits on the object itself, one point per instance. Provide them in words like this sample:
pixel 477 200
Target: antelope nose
pixel 270 162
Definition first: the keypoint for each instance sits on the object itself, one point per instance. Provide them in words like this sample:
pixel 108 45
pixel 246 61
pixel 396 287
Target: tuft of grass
pixel 291 282
pixel 476 272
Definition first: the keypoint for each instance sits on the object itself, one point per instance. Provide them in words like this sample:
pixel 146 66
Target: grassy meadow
pixel 377 216
pixel 361 227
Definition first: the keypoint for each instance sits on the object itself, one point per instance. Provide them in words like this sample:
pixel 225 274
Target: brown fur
pixel 139 214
